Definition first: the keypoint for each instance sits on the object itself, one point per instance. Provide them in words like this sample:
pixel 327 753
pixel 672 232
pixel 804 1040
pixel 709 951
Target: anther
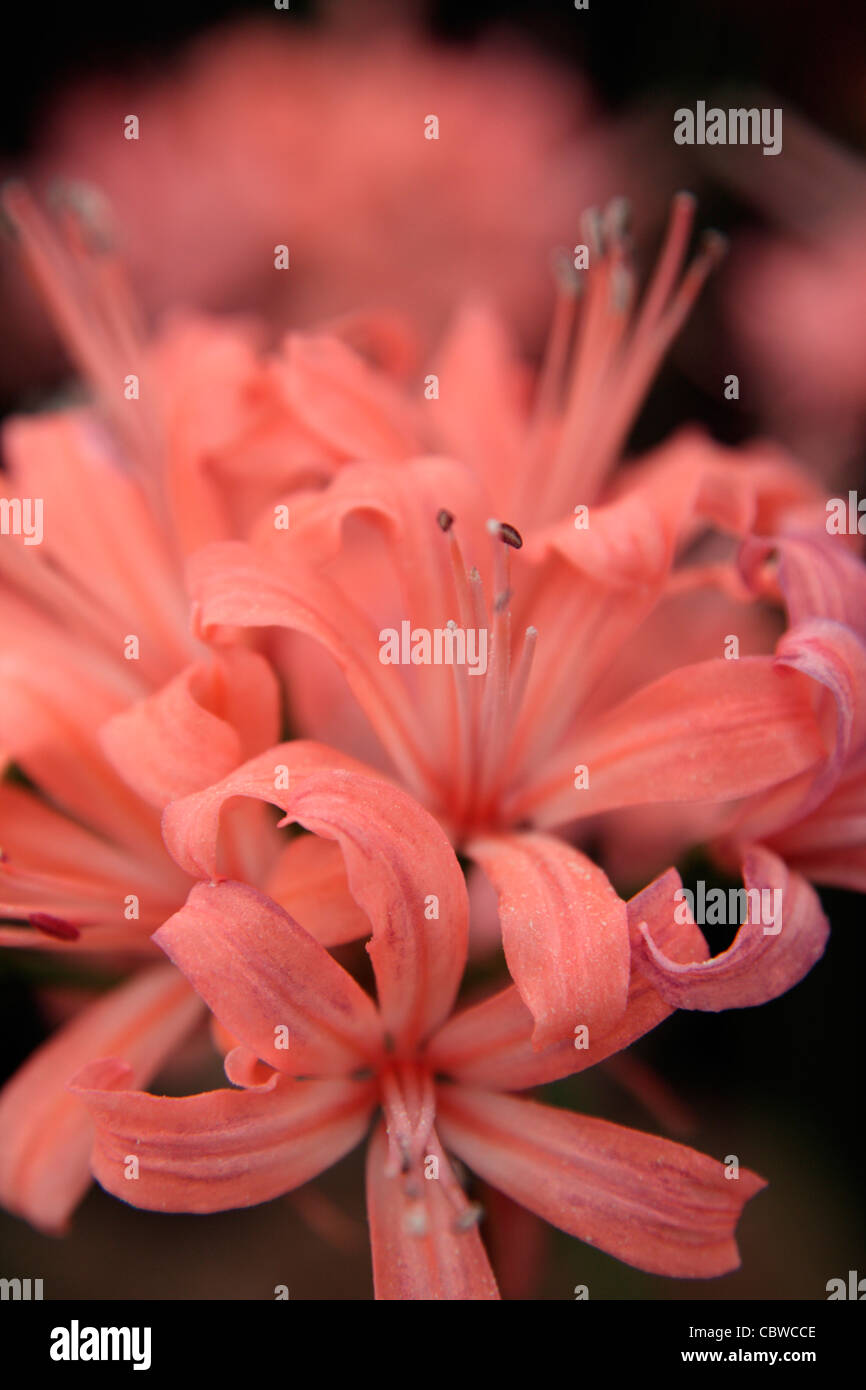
pixel 616 220
pixel 591 227
pixel 714 244
pixel 567 278
pixel 445 519
pixel 415 1222
pixel 54 926
pixel 470 1216
pixel 90 208
pixel 510 535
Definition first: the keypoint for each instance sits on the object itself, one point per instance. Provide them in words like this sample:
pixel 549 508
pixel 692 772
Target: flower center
pixel 414 1151
pixel 487 707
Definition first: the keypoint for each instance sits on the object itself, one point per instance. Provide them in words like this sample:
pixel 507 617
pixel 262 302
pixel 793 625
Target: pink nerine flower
pixel 315 1059
pixel 525 747
pixel 272 132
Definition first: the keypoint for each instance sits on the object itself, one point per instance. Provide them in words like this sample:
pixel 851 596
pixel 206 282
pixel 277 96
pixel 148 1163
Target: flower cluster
pixel 674 655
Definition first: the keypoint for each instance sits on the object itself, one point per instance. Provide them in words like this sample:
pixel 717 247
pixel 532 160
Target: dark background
pixel 781 1086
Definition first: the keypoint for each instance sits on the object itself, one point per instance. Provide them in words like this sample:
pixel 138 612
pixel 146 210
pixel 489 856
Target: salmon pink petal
pixel 116 562
pixel 352 409
pixel 221 1149
pixel 195 730
pixel 269 982
pixel 714 731
pixel 191 826
pixel 564 930
pixel 48 724
pixel 828 845
pixel 687 484
pixel 652 1203
pixel 49 864
pixel 232 586
pixel 402 872
pixel 479 417
pixel 844 867
pixel 768 956
pixel 835 657
pixel 309 881
pixel 424 1235
pixel 46 1132
pixel 491 1044
pixel 817 575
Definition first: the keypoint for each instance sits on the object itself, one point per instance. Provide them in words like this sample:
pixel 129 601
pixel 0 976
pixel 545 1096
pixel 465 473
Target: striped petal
pixel 654 1204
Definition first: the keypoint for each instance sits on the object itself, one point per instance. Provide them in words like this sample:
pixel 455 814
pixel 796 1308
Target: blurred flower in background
pixel 315 137
pixel 796 296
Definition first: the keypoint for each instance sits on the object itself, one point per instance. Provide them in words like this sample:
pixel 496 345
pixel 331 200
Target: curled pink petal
pixel 401 870
pixel 766 958
pixel 269 982
pixel 197 728
pixel 221 1149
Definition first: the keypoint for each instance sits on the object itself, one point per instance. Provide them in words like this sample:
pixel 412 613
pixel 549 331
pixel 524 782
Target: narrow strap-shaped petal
pixel 50 864
pixel 424 1234
pixel 46 1132
pixel 564 930
pixel 197 728
pixel 110 552
pixel 221 1149
pixel 490 1044
pixel 233 586
pixel 829 845
pixel 714 731
pixel 650 1202
pixel 775 947
pixel 480 417
pixel 402 872
pixel 49 721
pixel 270 983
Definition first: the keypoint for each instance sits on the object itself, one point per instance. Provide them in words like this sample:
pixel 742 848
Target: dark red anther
pixel 445 519
pixel 54 926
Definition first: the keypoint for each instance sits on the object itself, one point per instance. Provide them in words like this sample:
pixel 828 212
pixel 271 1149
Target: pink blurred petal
pixel 47 1132
pixel 197 728
pixel 309 881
